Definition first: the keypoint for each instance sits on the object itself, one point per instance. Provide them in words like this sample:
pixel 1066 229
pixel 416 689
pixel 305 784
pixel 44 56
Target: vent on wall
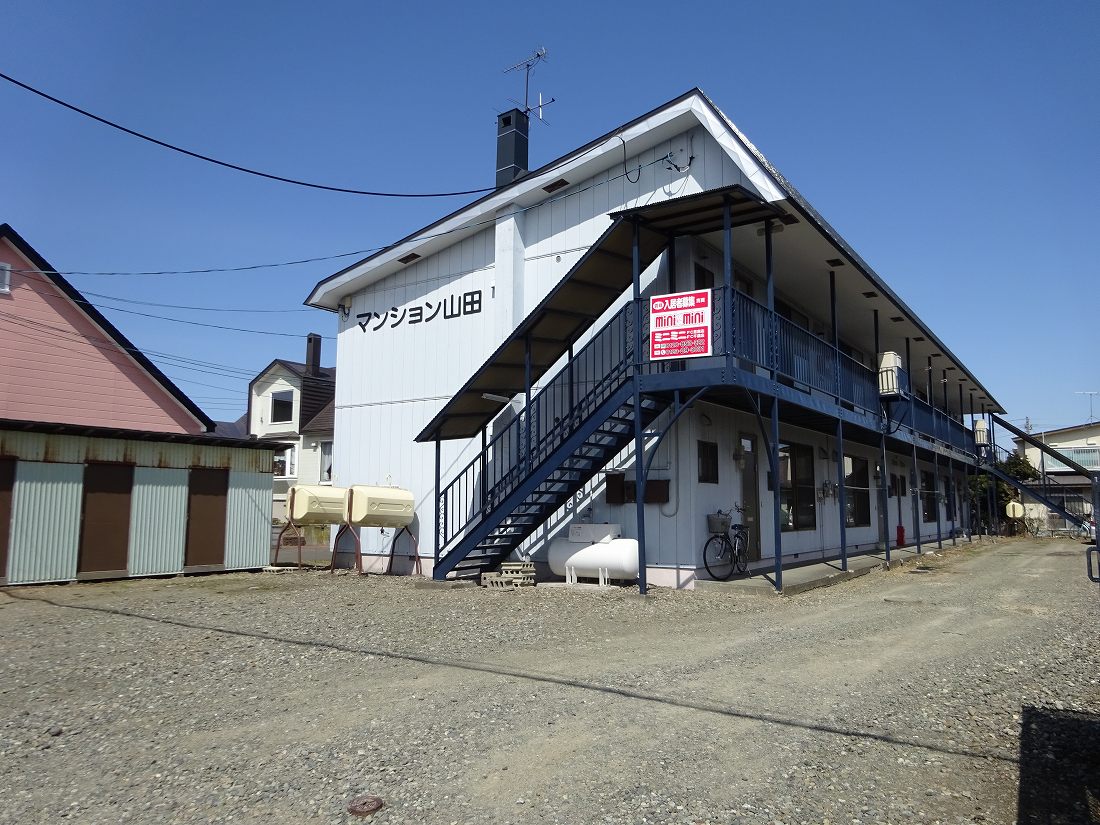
pixel 560 183
pixel 408 259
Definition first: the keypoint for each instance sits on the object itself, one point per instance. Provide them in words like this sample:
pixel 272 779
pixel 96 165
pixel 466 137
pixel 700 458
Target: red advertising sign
pixel 679 325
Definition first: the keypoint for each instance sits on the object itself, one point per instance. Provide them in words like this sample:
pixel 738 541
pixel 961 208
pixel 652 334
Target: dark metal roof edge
pixel 91 431
pixel 547 167
pixel 84 305
pixel 815 218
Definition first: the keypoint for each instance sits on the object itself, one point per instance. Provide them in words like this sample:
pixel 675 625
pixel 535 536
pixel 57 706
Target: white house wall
pixel 277 380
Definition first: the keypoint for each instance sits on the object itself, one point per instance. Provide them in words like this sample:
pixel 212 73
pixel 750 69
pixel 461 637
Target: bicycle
pixel 726 551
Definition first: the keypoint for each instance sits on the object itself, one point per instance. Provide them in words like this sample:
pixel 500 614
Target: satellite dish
pixel 1014 509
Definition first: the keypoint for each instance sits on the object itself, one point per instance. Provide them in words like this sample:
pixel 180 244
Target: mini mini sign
pixel 679 325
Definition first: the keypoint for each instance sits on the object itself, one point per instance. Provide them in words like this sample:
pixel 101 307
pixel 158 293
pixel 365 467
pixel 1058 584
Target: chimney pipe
pixel 511 146
pixel 313 355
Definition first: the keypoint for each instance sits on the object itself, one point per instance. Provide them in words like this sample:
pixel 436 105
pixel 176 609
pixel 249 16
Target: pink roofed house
pixel 62 362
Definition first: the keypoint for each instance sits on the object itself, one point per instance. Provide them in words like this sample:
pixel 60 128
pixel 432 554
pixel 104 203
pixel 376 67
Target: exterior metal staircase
pixel 1071 506
pixel 580 419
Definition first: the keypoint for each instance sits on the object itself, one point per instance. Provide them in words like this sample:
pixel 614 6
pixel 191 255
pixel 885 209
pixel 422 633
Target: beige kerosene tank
pixel 367 506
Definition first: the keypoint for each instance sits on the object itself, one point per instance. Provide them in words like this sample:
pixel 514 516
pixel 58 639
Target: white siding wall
pixel 277 380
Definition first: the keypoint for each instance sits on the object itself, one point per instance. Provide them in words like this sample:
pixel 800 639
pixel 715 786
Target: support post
pixel 527 402
pixel 836 335
pixel 842 494
pixel 773 365
pixel 884 498
pixel 639 434
pixel 935 457
pixel 914 473
pixel 439 531
pixel 483 491
pixel 727 282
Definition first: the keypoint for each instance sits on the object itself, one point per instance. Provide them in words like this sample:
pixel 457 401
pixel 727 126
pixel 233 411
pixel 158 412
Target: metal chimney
pixel 511 146
pixel 313 355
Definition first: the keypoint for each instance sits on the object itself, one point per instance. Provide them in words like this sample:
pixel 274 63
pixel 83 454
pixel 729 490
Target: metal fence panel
pixel 158 521
pixel 45 538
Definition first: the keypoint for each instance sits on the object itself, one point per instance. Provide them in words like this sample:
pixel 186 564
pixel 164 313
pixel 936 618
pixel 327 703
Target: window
pixel 797 493
pixel 326 462
pixel 5 279
pixel 284 465
pixel 704 278
pixel 857 492
pixel 708 462
pixel 928 505
pixel 282 407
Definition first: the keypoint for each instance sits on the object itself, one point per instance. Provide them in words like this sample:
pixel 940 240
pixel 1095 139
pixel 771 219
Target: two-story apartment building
pixel 291 403
pixel 500 364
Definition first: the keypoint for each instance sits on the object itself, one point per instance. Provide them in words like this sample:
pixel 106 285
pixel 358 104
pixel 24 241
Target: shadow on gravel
pixel 1059 768
pixel 545 678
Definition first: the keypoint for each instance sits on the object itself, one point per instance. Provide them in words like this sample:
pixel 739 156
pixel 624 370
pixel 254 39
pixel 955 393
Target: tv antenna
pixel 527 65
pixel 1091 394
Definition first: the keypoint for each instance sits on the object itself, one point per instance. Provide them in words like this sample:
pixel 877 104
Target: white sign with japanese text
pixel 680 325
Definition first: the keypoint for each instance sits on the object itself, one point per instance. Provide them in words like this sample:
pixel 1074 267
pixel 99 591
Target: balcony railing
pixel 1087 457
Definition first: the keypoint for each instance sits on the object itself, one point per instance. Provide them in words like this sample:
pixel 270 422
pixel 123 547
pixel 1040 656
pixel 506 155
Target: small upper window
pixel 282 407
pixel 708 462
pixel 5 279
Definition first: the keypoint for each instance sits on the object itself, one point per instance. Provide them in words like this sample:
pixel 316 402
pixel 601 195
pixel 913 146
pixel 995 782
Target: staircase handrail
pixel 611 379
pixel 1046 448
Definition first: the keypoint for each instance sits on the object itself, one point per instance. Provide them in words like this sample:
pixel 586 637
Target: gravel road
pixel 900 696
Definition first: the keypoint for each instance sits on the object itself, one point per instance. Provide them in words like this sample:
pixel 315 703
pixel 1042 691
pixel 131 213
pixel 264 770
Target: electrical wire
pixel 372 250
pixel 626 174
pixel 54 294
pixel 235 166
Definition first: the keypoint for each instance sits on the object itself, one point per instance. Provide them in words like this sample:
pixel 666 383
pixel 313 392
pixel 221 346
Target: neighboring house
pixel 1058 481
pixel 290 404
pixel 496 363
pixel 107 469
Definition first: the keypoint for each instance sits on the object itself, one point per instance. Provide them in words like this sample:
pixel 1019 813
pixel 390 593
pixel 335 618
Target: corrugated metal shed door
pixel 158 521
pixel 45 522
pixel 206 507
pixel 7 483
pixel 248 528
pixel 105 529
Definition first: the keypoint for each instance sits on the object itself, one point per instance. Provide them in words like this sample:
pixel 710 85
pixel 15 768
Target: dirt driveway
pixel 896 697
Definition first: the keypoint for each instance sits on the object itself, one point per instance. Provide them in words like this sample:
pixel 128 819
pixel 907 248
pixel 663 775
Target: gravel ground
pixel 895 697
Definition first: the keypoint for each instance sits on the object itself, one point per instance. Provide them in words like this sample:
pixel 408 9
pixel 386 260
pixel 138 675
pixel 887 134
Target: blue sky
pixel 954 145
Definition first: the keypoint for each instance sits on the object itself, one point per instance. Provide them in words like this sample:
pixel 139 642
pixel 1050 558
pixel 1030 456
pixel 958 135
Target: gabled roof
pixel 111 332
pixel 689 109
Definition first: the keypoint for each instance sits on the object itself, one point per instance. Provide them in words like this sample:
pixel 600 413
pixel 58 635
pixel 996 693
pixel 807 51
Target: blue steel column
pixel 727 281
pixel 438 526
pixel 994 511
pixel 914 473
pixel 883 490
pixel 773 361
pixel 935 456
pixel 950 466
pixel 527 399
pixel 639 435
pixel 965 498
pixel 842 495
pixel 977 459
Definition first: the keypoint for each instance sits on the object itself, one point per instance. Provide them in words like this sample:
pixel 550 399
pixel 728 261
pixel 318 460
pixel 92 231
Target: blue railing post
pixel 727 283
pixel 440 528
pixel 639 435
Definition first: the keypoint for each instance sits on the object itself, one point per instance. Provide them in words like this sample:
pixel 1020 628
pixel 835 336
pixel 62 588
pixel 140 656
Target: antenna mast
pixel 527 65
pixel 1091 394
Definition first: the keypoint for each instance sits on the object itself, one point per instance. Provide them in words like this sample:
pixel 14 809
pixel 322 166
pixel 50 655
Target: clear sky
pixel 954 145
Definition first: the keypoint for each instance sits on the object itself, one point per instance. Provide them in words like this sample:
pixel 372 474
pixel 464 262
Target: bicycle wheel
pixel 740 553
pixel 718 557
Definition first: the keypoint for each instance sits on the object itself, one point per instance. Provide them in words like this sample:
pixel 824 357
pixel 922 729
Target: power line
pixel 235 166
pixel 370 251
pixel 53 294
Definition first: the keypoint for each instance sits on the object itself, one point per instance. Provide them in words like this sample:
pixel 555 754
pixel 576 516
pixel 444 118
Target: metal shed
pixel 85 503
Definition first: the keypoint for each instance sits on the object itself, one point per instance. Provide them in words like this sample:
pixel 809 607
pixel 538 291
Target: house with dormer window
pixel 290 403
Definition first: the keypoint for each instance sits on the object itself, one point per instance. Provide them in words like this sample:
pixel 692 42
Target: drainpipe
pixel 883 489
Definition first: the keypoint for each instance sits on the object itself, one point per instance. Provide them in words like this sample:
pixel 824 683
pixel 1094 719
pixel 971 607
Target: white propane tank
pixel 315 504
pixel 594 551
pixel 378 506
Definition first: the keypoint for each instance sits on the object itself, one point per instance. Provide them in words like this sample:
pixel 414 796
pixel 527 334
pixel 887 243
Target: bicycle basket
pixel 717 523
